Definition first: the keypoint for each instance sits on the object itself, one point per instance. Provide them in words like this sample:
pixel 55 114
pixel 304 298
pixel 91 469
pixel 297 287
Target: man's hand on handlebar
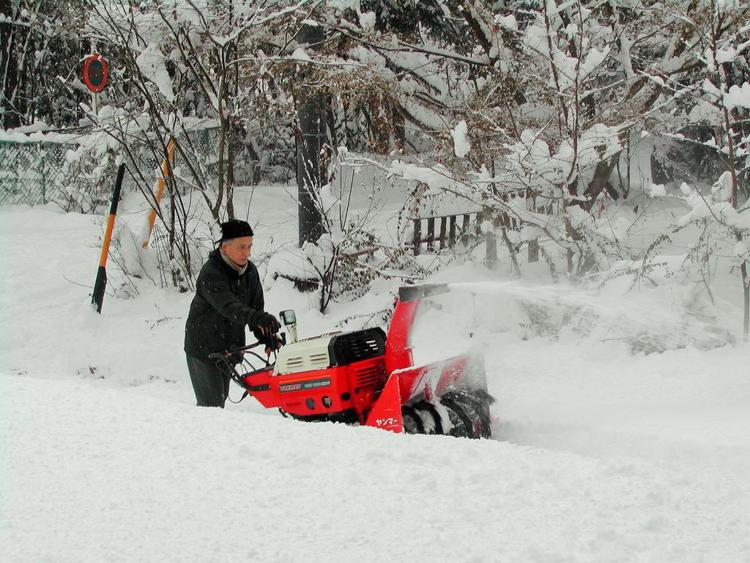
pixel 266 332
pixel 273 344
pixel 268 325
pixel 236 357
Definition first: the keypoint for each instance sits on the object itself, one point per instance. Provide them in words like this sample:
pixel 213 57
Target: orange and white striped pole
pixel 166 167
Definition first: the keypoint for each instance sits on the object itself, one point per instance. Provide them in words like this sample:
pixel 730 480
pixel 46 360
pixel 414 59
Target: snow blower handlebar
pixel 272 342
pixel 229 359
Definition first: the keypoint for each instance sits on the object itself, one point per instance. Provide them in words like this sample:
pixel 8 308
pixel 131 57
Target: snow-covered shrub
pixel 92 169
pixel 342 267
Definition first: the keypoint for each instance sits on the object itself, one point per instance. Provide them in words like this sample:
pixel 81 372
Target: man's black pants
pixel 211 385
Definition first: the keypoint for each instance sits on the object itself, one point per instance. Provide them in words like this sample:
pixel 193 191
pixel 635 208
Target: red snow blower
pixel 367 377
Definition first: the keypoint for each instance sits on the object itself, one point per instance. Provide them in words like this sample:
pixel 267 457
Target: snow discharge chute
pixel 367 377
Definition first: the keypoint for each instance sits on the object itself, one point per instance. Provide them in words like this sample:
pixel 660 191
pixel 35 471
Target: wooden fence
pixel 444 231
pixel 447 235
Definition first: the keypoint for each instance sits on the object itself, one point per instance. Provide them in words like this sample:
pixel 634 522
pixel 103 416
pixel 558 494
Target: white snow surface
pixel 738 96
pixel 656 190
pixel 461 145
pixel 152 65
pixel 599 454
pixel 367 20
pixel 300 54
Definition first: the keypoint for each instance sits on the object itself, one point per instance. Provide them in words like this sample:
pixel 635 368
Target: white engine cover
pixel 304 355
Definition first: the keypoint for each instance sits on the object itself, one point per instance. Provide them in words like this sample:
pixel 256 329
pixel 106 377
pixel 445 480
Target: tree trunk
pixel 311 113
pixel 746 301
pixel 600 181
pixel 8 66
pixel 230 174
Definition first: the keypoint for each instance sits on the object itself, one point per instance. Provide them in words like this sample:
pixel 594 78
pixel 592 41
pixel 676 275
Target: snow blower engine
pixel 367 377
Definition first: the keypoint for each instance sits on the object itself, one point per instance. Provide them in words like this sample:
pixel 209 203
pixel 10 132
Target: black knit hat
pixel 234 228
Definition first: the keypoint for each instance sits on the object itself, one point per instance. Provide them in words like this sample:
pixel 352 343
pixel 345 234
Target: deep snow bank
pixel 92 474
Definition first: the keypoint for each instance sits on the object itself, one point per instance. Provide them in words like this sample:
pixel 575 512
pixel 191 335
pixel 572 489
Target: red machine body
pixel 318 393
pixel 371 379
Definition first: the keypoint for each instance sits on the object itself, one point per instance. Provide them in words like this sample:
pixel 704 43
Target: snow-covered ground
pixel 601 454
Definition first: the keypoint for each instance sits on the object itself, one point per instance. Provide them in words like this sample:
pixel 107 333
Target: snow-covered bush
pixel 352 252
pixel 93 165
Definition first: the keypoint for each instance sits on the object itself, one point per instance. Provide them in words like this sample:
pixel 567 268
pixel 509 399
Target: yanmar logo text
pixel 302 385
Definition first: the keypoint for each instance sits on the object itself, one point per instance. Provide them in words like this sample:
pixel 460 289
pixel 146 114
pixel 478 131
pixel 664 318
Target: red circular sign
pixel 95 72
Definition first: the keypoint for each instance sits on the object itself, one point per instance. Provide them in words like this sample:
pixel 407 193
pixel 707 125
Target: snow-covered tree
pixel 178 67
pixel 40 52
pixel 529 109
pixel 712 111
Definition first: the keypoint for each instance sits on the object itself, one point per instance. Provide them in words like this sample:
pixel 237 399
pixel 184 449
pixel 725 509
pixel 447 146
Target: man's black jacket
pixel 225 302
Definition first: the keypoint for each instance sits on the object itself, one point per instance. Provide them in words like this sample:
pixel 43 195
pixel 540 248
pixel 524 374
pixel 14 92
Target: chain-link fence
pixel 55 170
pixel 38 172
pixel 32 173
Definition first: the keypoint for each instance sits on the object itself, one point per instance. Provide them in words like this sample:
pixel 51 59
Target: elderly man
pixel 228 297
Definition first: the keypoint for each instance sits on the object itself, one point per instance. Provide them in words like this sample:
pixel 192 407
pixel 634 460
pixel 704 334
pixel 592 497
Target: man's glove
pixel 236 358
pixel 273 343
pixel 267 324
